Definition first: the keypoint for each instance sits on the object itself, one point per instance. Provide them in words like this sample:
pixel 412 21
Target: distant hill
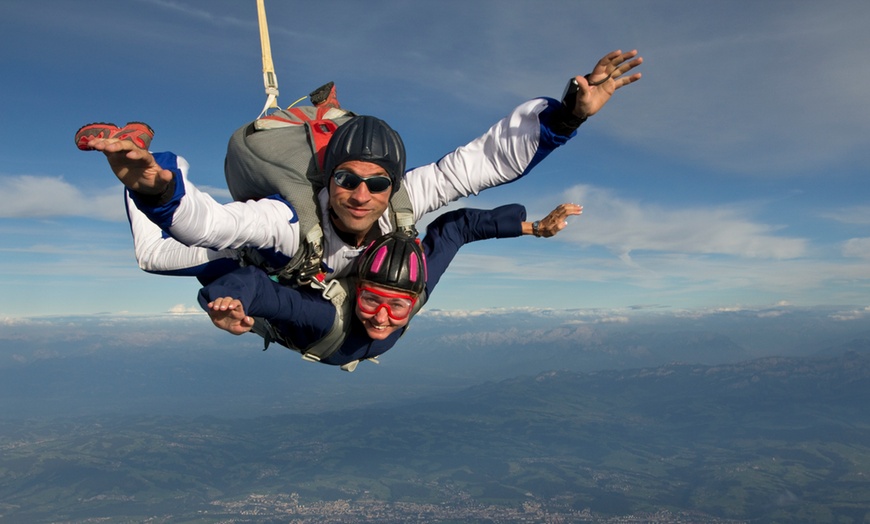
pixel 774 439
pixel 82 366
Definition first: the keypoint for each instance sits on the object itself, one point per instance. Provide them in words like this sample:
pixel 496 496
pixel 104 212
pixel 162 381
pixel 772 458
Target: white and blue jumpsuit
pixel 191 234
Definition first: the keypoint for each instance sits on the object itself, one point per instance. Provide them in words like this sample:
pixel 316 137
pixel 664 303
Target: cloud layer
pixel 28 196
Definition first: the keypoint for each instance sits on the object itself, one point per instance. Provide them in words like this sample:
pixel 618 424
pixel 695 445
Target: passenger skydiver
pixel 394 277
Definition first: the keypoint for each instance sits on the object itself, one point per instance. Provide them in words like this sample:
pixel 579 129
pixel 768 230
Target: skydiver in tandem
pixel 360 317
pixel 206 238
pixel 364 315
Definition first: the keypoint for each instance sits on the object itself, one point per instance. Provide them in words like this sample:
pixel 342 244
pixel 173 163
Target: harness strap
pixel 263 328
pixel 400 204
pixel 320 130
pixel 351 366
pixel 337 293
pixel 308 268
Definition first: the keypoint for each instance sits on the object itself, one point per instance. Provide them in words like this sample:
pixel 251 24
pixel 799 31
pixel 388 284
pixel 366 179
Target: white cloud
pixel 571 316
pixel 857 248
pixel 855 314
pixel 181 309
pixel 855 215
pixel 28 196
pixel 662 277
pixel 691 255
pixel 625 226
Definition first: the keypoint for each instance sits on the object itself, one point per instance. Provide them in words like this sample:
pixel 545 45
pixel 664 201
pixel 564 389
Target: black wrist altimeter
pixel 567 122
pixel 536 228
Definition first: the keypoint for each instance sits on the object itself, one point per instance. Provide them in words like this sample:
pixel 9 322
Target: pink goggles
pixel 398 305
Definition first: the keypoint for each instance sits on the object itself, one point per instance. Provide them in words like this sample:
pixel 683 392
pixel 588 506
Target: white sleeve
pixel 194 218
pixel 158 253
pixel 501 155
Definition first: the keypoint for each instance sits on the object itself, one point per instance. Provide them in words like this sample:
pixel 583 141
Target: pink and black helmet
pixel 394 261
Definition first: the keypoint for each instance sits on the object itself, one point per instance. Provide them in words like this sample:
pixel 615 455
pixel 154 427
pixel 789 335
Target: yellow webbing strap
pixel 270 80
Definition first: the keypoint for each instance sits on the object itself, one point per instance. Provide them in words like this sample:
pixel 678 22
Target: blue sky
pixel 733 175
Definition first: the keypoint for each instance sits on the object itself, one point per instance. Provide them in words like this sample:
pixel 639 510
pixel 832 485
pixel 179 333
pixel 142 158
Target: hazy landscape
pixel 507 416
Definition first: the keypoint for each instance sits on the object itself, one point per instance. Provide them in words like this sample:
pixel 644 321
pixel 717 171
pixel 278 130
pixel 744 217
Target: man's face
pixel 358 209
pixel 374 306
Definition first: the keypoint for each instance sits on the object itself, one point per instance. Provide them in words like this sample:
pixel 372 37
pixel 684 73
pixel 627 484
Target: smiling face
pixel 356 210
pixel 378 307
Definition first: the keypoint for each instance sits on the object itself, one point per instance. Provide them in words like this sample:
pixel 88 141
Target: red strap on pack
pixel 298 113
pixel 321 132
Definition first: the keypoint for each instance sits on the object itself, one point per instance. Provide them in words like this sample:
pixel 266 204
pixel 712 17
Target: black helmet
pixel 368 139
pixel 395 261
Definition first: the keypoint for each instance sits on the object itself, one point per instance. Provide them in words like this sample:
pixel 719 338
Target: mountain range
pixel 181 365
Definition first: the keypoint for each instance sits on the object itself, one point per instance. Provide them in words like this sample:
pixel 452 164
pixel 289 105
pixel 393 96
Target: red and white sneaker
pixel 92 131
pixel 139 133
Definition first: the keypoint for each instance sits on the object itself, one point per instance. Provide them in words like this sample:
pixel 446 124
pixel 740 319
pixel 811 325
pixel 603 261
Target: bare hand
pixel 134 167
pixel 556 220
pixel 609 74
pixel 228 314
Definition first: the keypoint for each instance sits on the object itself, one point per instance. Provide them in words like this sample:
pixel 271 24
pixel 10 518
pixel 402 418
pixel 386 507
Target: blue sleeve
pixel 550 140
pixel 205 273
pixel 454 229
pixel 161 213
pixel 245 284
pixel 262 297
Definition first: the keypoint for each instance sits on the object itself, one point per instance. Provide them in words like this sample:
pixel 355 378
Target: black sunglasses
pixel 348 180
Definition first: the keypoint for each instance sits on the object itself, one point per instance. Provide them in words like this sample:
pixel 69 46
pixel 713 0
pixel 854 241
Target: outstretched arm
pixel 452 230
pixel 157 186
pixel 512 147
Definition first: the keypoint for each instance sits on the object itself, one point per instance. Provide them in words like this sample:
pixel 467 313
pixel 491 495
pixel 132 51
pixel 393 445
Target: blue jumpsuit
pixel 303 317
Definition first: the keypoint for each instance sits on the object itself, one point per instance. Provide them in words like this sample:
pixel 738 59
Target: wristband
pixel 536 228
pixel 565 121
pixel 160 199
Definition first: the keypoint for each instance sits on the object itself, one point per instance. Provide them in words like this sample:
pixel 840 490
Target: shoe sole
pixel 93 130
pixel 139 133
